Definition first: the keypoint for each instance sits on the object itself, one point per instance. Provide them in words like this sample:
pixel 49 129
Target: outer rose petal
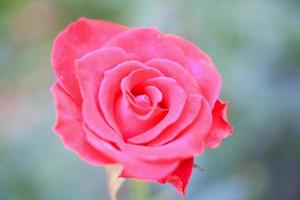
pixel 221 128
pixel 133 167
pixel 68 127
pixel 202 68
pixel 148 43
pixel 82 36
pixel 172 69
pixel 90 73
pixel 181 176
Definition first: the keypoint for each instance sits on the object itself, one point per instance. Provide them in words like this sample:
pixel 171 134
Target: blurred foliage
pixel 256 47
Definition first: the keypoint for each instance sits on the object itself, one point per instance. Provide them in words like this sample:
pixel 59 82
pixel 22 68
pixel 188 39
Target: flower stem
pixel 114 182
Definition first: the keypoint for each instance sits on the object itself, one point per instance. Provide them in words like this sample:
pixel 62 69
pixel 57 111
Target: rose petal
pixel 73 137
pixel 181 176
pixel 188 144
pixel 170 89
pixel 202 68
pixel 90 72
pixel 191 111
pixel 110 86
pixel 155 95
pixel 82 36
pixel 123 111
pixel 148 43
pixel 142 101
pixel 130 84
pixel 133 167
pixel 192 107
pixel 221 128
pixel 133 80
pixel 179 73
pixel 130 123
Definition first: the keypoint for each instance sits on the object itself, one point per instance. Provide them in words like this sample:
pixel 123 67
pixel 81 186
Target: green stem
pixel 140 190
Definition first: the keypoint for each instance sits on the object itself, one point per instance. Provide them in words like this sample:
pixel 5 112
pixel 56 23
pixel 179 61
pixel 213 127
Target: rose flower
pixel 136 97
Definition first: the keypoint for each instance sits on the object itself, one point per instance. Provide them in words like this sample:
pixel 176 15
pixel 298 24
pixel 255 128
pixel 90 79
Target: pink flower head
pixel 136 97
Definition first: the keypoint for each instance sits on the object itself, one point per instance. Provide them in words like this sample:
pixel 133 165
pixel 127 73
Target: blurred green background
pixel 256 47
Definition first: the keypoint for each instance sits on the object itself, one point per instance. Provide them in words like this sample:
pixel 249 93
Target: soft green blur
pixel 256 47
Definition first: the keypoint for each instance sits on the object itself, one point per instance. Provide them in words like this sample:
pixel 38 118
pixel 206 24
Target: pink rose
pixel 136 97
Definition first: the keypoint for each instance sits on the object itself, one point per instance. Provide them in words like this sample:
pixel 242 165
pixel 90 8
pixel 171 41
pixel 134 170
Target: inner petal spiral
pixel 142 100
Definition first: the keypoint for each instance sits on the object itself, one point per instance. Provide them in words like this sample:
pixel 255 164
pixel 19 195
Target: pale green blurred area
pixel 256 47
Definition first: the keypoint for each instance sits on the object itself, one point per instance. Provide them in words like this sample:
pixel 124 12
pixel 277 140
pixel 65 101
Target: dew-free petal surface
pixel 201 67
pixel 191 140
pixel 79 38
pixel 133 167
pixel 90 73
pixel 73 137
pixel 181 176
pixel 148 43
pixel 221 128
pixel 174 98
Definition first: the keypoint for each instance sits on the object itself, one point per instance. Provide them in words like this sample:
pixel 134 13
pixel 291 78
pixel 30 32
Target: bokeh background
pixel 256 47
